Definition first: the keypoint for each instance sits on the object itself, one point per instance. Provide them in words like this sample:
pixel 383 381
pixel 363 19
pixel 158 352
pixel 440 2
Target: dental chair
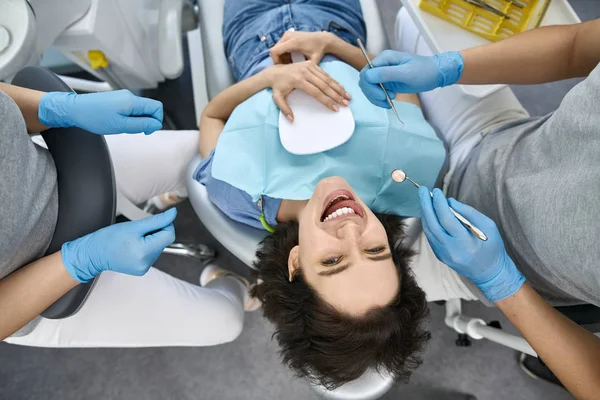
pixel 213 70
pixel 211 75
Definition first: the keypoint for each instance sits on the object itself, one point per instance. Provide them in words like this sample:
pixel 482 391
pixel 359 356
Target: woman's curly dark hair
pixel 327 346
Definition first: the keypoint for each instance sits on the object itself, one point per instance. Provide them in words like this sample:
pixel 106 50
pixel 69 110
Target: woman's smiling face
pixel 343 250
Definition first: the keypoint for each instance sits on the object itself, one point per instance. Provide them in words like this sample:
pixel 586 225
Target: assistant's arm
pixel 129 247
pixel 541 55
pixel 105 113
pixel 28 291
pixel 28 102
pixel 570 351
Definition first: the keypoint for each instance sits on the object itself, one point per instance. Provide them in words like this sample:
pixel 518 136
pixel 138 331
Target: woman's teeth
pixel 339 213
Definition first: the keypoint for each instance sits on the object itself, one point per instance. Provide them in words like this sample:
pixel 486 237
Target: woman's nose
pixel 350 231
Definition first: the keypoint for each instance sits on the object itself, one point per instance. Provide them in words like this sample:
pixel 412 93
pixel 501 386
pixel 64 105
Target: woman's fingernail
pixel 345 102
pixel 335 108
pixel 290 118
pixel 348 96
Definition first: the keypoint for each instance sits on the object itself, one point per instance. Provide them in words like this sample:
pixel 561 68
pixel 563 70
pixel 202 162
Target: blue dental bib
pixel 249 154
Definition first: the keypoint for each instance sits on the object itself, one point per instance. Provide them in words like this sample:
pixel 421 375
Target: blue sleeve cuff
pixel 234 202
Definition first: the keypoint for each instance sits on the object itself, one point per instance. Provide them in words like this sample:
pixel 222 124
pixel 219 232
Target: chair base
pixel 535 368
pixel 199 252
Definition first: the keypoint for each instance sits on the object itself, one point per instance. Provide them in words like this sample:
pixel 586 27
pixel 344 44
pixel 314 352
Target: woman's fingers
pixel 326 88
pixel 279 99
pixel 332 83
pixel 318 94
pixel 283 46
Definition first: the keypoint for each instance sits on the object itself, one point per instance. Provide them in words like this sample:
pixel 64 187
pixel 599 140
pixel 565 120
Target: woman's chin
pixel 332 183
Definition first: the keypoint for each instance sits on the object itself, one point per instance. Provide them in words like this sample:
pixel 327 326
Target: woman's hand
pixel 129 247
pixel 313 45
pixel 308 77
pixel 102 113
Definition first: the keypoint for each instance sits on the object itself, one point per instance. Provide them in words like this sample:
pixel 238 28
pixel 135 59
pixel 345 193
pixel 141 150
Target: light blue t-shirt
pixel 414 146
pixel 234 202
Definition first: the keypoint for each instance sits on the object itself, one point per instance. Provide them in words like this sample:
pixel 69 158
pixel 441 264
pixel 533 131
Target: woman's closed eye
pixel 375 250
pixel 331 261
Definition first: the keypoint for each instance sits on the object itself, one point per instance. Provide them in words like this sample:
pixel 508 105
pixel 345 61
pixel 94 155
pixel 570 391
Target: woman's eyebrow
pixel 381 257
pixel 337 270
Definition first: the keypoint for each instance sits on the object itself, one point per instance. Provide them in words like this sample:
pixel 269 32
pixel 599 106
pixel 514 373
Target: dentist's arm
pixel 571 352
pixel 130 248
pixel 541 55
pixel 102 113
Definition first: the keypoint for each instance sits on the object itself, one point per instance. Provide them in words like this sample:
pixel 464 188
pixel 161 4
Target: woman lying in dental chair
pixel 335 275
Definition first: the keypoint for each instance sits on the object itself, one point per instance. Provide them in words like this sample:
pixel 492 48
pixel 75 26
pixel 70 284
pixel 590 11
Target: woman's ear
pixel 293 262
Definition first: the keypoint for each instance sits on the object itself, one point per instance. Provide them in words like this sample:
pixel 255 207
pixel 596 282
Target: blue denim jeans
pixel 251 27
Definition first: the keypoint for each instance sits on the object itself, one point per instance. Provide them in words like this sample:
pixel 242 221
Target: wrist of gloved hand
pixel 79 266
pixel 450 66
pixel 54 109
pixel 506 282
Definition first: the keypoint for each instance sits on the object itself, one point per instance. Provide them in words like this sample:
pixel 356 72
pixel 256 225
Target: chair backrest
pixel 586 315
pixel 239 239
pixel 86 185
pixel 218 74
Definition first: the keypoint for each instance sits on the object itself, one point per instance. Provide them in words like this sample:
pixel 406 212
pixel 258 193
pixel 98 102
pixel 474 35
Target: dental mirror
pixel 400 176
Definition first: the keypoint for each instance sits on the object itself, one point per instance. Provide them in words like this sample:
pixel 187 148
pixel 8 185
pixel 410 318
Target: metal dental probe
pixel 387 96
pixel 400 176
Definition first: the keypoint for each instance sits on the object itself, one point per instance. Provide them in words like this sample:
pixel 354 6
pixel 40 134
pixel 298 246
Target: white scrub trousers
pixel 155 309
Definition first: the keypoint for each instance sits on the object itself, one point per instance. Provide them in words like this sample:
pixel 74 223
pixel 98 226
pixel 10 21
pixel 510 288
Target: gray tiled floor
pixel 249 367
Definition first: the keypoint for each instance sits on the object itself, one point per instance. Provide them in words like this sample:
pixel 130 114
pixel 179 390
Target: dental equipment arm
pixel 306 76
pixel 314 45
pixel 570 351
pixel 101 113
pixel 130 248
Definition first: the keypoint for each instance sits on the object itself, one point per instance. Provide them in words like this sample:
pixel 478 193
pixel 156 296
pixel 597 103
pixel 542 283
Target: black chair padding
pixel 583 314
pixel 86 185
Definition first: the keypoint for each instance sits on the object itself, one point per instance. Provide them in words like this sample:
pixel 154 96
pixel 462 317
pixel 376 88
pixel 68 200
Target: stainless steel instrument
pixel 387 96
pixel 400 176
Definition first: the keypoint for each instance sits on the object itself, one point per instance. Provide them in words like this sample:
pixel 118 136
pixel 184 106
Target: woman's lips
pixel 338 200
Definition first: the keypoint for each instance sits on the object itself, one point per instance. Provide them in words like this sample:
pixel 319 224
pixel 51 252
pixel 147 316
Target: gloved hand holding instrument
pixel 129 247
pixel 486 263
pixel 101 113
pixel 409 73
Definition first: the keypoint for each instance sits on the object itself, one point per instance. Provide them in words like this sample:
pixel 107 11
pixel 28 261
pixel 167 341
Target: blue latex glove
pixel 129 247
pixel 409 73
pixel 485 263
pixel 102 113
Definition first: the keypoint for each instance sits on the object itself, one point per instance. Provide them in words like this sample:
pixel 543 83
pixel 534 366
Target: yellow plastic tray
pixel 483 22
